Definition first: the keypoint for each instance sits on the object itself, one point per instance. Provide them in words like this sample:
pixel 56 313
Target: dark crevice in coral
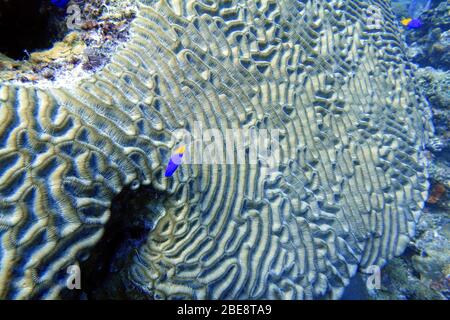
pixel 128 228
pixel 357 289
pixel 29 25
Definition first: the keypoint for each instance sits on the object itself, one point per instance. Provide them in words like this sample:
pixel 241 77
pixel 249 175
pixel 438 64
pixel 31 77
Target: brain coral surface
pixel 346 194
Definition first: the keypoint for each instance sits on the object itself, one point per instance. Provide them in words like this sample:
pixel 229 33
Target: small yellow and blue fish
pixel 175 161
pixel 415 9
pixel 411 23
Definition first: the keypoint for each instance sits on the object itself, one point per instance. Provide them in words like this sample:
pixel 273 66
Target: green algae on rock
pixel 347 194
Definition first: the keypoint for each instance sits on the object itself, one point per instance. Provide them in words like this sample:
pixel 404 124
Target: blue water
pixel 417 7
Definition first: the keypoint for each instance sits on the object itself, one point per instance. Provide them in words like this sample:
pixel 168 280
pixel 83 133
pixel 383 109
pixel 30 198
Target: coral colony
pixel 334 181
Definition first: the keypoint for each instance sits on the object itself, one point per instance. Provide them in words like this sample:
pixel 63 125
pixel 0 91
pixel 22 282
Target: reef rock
pixel 429 45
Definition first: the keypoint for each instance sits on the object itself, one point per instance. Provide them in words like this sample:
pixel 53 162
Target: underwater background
pixel 52 44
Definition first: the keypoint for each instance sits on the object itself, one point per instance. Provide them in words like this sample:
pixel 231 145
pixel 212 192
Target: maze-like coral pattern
pixel 349 188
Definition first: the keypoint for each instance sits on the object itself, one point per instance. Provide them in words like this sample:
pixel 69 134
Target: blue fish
pixel 60 3
pixel 174 162
pixel 414 24
pixel 411 23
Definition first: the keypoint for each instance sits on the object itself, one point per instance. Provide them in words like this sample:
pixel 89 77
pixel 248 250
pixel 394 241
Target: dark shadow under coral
pixel 102 274
pixel 29 25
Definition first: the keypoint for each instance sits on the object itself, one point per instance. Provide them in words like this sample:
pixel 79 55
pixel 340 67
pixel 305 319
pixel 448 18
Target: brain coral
pixel 347 193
